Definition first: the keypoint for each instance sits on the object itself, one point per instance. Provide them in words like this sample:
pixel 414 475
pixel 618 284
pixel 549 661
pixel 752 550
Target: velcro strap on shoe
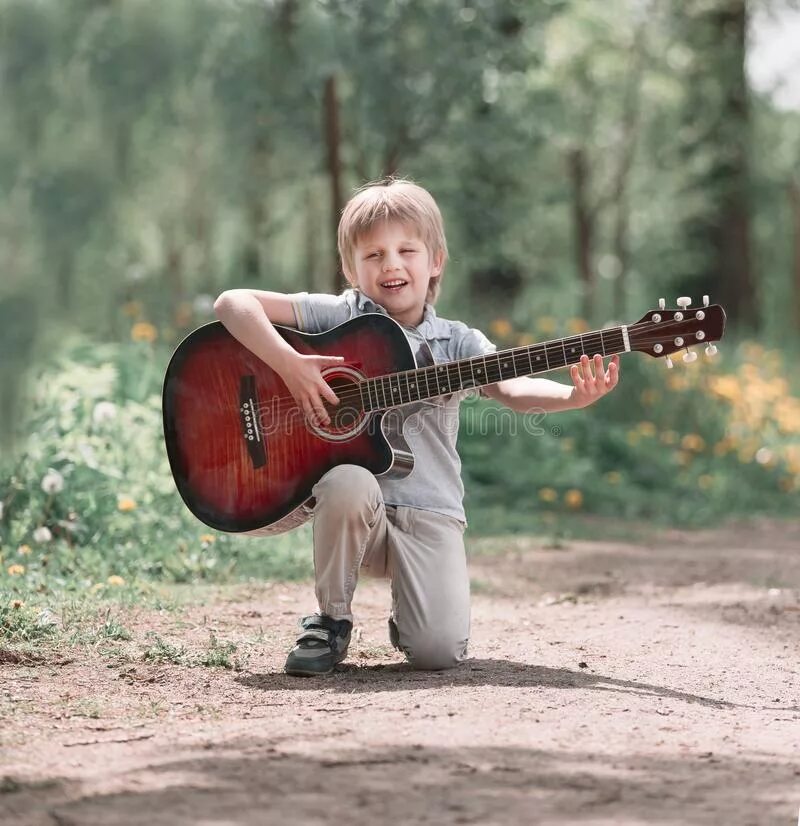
pixel 315 634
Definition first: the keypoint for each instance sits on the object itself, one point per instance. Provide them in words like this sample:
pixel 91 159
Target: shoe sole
pixel 297 671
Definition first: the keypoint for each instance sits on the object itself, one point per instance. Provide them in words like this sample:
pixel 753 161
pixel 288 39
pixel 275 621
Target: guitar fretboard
pixel 409 386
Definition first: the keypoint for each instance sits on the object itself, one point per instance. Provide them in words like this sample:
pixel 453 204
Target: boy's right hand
pixel 303 378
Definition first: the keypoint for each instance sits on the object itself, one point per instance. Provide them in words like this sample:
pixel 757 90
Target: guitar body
pixel 243 457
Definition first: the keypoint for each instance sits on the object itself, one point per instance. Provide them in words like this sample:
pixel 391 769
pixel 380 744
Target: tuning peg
pixel 711 350
pixel 689 356
pixel 684 301
pixel 705 301
pixel 668 361
pixel 662 303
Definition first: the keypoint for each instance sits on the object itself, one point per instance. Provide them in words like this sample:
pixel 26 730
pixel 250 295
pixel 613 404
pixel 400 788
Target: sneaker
pixel 322 643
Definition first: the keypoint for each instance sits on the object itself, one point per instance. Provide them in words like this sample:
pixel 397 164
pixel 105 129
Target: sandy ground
pixel 609 683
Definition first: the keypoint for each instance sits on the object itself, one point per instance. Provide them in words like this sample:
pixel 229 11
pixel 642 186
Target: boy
pixel 393 251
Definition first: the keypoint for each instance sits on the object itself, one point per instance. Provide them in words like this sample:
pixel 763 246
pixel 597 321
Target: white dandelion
pixel 104 412
pixel 52 482
pixel 42 534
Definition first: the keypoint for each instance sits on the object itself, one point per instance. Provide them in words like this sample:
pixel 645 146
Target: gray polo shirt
pixel 430 427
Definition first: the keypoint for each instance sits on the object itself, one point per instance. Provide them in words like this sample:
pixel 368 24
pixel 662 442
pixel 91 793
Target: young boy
pixel 393 251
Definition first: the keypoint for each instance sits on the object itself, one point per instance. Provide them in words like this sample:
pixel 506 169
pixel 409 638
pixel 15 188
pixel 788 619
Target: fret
pixel 543 351
pixel 472 372
pixel 574 354
pixel 370 387
pixel 564 350
pixel 483 372
pixel 383 391
pixel 555 357
pixel 465 383
pixel 408 386
pixel 394 390
pixel 602 344
pixel 426 374
pixel 499 369
pixel 441 371
pixel 504 365
pixel 360 386
pixel 530 362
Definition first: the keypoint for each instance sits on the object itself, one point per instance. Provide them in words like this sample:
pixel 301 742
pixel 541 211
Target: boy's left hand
pixel 591 387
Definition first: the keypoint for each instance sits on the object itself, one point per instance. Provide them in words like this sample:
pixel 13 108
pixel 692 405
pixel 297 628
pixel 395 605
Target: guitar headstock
pixel 663 332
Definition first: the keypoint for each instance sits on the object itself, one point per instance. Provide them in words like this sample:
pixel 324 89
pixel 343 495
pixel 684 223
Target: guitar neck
pixel 396 389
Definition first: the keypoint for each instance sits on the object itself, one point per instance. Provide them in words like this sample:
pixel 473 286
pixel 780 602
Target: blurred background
pixel 588 157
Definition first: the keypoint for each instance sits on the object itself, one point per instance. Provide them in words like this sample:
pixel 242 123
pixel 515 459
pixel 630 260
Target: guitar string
pixel 281 403
pixel 453 372
pixel 357 396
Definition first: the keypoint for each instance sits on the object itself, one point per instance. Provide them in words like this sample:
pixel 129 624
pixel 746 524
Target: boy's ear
pixel 438 262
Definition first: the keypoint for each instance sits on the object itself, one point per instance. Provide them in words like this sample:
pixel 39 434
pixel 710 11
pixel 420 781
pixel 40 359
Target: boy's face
pixel 393 267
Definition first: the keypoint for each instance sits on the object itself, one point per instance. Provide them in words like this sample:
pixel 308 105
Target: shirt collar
pixel 431 325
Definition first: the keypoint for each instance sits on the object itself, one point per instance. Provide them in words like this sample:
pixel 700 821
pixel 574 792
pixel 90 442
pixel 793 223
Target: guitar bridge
pixel 248 416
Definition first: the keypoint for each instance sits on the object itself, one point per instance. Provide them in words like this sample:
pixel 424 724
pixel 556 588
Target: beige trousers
pixel 420 551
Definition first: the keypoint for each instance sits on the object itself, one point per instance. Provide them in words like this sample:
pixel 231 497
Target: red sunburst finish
pixel 208 384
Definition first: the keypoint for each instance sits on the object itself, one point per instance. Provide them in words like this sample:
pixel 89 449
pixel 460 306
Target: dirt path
pixel 609 683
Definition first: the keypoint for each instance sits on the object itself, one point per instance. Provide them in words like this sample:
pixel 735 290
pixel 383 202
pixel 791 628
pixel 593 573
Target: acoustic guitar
pixel 244 457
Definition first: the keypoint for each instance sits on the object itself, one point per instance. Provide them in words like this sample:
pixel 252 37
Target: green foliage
pixel 90 503
pixel 690 447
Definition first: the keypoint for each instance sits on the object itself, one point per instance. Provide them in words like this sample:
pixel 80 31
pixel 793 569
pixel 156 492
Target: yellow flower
pixel 144 331
pixel 723 446
pixel 208 538
pixel 573 498
pixel 648 397
pixel 691 441
pixel 16 570
pixel 132 309
pixel 183 314
pixel 501 327
pixel 24 550
pixel 546 324
pixel 96 587
pixel 646 428
pixel 115 580
pixel 524 339
pixel 577 325
pixel 726 387
pixel 125 503
pixel 548 495
pixel 613 477
pixel 705 481
pixel 678 382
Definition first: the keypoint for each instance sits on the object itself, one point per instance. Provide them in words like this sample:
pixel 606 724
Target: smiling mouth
pixel 394 285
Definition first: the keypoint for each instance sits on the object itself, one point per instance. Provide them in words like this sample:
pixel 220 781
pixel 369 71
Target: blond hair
pixel 392 199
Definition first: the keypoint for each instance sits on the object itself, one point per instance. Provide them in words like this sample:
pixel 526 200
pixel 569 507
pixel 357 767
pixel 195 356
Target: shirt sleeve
pixel 472 342
pixel 318 312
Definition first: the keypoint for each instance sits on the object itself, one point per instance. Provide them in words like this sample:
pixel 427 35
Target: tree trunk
pixel 583 222
pixel 332 142
pixel 735 248
pixel 794 200
pixel 716 237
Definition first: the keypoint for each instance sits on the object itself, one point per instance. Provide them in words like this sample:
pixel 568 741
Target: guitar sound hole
pixel 348 414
